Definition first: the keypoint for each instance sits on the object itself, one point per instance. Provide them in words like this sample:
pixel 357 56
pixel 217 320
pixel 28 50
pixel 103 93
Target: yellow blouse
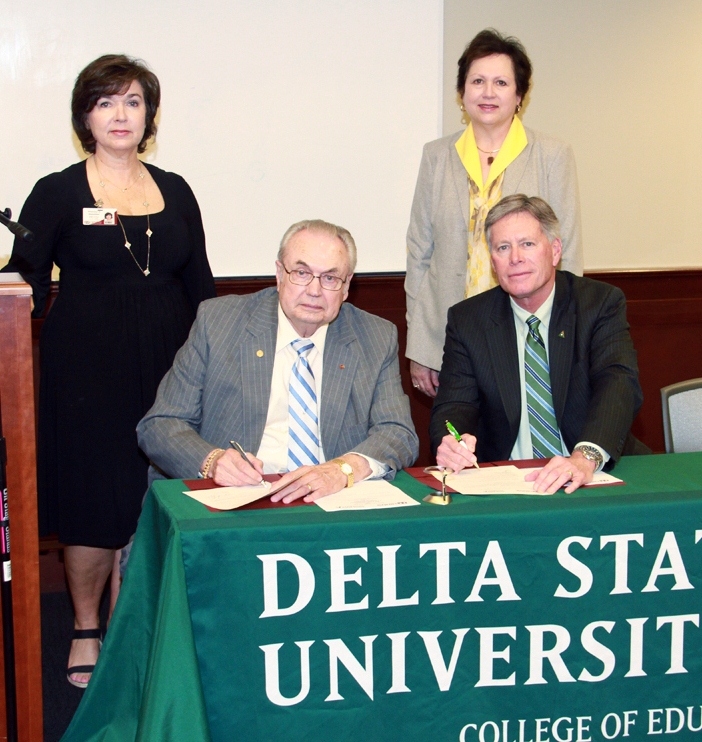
pixel 479 275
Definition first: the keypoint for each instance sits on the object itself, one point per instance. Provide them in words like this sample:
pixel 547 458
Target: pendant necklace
pixel 139 176
pixel 128 244
pixel 99 203
pixel 491 159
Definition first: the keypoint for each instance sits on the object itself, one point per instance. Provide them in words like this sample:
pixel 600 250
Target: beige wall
pixel 273 111
pixel 621 80
pixel 272 118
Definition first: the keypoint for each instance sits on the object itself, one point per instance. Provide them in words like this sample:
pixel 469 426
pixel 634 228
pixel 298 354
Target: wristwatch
pixel 346 469
pixel 591 454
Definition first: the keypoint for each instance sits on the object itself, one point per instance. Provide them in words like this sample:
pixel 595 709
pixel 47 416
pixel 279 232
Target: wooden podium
pixel 17 399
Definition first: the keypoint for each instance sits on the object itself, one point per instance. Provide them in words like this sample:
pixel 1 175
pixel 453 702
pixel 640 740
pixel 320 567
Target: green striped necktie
pixel 545 438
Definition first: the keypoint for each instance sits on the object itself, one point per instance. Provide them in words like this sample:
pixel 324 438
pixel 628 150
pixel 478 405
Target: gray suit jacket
pixel 594 374
pixel 437 237
pixel 219 386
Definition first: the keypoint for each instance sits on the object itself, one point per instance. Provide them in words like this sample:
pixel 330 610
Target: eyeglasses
pixel 328 281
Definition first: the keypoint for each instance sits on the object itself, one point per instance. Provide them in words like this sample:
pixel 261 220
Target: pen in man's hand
pixel 238 447
pixel 452 430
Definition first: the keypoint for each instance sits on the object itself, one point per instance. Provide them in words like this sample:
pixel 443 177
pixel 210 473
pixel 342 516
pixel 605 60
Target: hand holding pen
pixel 236 468
pixel 253 463
pixel 456 451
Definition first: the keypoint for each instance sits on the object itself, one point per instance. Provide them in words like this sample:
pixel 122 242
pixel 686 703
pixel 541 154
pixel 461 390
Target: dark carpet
pixel 61 699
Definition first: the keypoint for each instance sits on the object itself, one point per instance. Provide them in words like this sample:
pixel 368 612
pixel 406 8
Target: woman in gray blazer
pixel 461 177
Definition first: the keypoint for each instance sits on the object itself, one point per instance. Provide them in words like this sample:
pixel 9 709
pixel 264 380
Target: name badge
pixel 96 217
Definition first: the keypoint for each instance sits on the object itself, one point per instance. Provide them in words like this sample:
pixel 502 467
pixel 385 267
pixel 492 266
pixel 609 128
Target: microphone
pixel 17 229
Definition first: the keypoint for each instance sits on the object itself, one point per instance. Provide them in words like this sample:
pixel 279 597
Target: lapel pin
pixel 341 365
pixel 561 334
pixel 259 353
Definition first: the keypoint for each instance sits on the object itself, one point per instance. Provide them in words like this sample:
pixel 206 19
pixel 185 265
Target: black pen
pixel 238 447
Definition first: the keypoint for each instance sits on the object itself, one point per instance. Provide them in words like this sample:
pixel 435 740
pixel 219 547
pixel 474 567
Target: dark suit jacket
pixel 594 375
pixel 219 387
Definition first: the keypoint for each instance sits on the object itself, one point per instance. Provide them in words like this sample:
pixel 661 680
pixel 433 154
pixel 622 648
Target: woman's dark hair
pixel 112 75
pixel 487 43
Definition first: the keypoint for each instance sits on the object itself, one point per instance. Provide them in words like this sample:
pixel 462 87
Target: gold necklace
pixel 128 244
pixel 490 160
pixel 139 176
pixel 99 203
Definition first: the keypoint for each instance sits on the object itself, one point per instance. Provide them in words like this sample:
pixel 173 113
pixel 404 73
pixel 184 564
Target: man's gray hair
pixel 519 203
pixel 318 225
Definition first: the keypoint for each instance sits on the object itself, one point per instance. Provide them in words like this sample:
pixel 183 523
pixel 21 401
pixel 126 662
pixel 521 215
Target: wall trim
pixel 664 308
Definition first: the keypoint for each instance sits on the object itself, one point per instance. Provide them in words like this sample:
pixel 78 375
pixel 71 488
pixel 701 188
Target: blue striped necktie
pixel 303 423
pixel 545 438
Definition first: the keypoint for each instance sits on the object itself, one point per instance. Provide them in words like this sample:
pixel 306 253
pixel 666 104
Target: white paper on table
pixel 597 479
pixel 490 480
pixel 603 478
pixel 373 494
pixel 230 498
pixel 504 480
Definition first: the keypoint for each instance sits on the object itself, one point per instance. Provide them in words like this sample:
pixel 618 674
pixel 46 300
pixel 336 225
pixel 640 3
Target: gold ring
pixel 570 474
pixel 309 488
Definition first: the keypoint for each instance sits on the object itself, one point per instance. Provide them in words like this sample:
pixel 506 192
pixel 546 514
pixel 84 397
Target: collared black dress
pixel 107 341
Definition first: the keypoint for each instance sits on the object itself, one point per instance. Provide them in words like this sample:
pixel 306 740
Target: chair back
pixel 682 416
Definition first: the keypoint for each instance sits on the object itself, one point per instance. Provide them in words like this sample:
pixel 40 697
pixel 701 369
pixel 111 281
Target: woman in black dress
pixel 129 243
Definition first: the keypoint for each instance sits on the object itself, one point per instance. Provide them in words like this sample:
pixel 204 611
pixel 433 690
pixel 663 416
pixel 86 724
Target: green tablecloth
pixel 496 618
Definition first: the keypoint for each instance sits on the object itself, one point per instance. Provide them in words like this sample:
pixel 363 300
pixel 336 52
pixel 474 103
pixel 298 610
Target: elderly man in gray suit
pixel 296 381
pixel 541 366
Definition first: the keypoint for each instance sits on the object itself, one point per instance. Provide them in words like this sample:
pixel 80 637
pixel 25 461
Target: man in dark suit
pixel 542 365
pixel 306 385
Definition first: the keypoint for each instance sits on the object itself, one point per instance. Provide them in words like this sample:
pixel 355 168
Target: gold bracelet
pixel 209 462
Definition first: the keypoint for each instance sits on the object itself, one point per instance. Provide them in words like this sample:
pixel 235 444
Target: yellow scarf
pixel 479 275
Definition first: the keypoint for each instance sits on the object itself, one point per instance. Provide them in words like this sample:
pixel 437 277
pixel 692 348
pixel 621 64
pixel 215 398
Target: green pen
pixel 452 430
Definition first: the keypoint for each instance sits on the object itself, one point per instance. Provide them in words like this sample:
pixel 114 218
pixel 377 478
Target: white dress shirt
pixel 273 450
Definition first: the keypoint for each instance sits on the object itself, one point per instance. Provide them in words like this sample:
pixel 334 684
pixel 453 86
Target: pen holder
pixel 439 497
